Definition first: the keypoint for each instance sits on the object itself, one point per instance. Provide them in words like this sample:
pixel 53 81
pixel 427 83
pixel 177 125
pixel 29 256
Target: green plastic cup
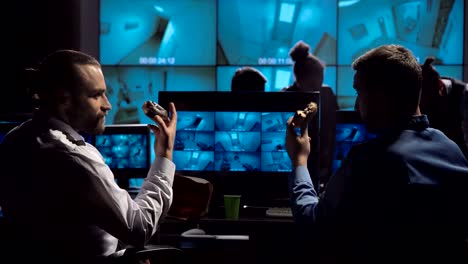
pixel 231 206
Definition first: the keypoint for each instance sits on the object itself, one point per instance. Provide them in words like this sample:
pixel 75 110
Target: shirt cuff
pixel 302 174
pixel 163 167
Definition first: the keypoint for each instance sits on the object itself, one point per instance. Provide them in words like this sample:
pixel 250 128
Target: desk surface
pixel 271 240
pixel 241 219
pixel 257 228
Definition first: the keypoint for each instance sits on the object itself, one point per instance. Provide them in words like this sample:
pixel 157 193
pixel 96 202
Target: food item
pixel 152 109
pixel 305 115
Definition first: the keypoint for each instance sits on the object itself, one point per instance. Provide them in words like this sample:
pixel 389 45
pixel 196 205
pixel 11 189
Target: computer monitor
pixel 151 46
pixel 125 149
pixel 350 130
pixel 129 87
pixel 427 28
pixel 157 33
pixel 257 32
pixel 237 139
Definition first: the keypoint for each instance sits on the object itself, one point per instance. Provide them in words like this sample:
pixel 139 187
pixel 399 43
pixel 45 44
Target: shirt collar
pixel 57 124
pixel 65 128
pixel 417 123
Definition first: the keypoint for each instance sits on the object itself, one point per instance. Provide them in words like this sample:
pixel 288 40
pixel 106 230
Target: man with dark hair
pixel 60 200
pixel 445 102
pixel 248 79
pixel 400 196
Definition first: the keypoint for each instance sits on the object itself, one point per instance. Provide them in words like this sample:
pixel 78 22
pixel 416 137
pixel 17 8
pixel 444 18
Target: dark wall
pixel 33 29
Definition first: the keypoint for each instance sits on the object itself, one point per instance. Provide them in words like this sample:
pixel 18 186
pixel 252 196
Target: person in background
pixel 248 79
pixel 309 74
pixel 308 69
pixel 59 198
pixel 445 102
pixel 399 196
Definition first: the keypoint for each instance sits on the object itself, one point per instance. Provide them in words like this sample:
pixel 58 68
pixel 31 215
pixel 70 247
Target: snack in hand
pixel 152 109
pixel 303 116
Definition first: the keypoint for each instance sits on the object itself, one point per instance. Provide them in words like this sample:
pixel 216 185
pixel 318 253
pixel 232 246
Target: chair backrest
pixel 192 196
pixel 161 254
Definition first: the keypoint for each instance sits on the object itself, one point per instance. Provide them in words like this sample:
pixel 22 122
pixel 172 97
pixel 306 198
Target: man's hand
pixel 165 133
pixel 297 146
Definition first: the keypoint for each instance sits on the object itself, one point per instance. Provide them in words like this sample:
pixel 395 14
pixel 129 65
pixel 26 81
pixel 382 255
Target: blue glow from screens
pixel 343 3
pixel 258 32
pixel 238 121
pixel 123 151
pixel 174 35
pixel 237 141
pixel 424 27
pixel 276 161
pixel 275 121
pixel 195 121
pixel 169 34
pixel 129 87
pixel 346 95
pixel 158 8
pixel 230 141
pixel 282 78
pixel 450 71
pixel 194 160
pixel 237 161
pixel 278 77
pixel 347 135
pixel 135 183
pixel 194 140
pixel 287 12
pixel 208 41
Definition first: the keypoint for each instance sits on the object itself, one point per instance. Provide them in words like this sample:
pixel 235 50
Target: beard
pixel 90 124
pixel 99 126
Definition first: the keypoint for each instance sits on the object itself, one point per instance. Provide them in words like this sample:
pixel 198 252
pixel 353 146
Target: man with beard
pixel 59 197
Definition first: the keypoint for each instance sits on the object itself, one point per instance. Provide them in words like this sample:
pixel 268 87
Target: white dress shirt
pixel 63 196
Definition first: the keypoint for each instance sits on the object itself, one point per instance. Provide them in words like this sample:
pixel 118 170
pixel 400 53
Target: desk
pixel 271 240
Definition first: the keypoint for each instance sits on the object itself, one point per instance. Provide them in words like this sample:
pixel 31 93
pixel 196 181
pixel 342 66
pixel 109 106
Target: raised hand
pixel 165 132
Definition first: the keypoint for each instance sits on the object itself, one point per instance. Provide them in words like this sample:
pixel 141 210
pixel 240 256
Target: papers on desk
pixel 220 237
pixel 232 237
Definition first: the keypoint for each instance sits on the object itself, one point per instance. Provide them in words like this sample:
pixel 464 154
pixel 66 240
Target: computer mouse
pixel 194 231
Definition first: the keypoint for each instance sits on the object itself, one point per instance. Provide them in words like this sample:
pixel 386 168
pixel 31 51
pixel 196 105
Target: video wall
pixel 147 46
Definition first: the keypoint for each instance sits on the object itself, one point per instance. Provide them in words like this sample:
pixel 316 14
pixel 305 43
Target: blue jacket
pixel 403 193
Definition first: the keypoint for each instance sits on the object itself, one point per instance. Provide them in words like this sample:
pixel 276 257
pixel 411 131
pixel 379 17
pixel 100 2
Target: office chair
pixel 192 196
pixel 156 254
pixel 12 251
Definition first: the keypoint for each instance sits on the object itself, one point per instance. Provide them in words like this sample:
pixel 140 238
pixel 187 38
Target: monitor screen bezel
pixel 244 182
pixel 137 129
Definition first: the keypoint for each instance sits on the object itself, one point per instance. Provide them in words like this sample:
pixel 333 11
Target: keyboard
pixel 279 212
